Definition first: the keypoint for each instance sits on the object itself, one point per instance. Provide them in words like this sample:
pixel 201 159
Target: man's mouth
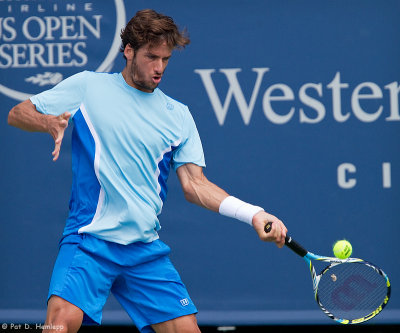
pixel 156 79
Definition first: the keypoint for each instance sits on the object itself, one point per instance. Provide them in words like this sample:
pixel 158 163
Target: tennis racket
pixel 349 291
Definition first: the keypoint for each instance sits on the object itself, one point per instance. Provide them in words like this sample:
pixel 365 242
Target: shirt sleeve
pixel 67 96
pixel 190 149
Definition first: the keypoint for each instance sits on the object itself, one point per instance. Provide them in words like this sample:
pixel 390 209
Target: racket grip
pixel 295 247
pixel 289 242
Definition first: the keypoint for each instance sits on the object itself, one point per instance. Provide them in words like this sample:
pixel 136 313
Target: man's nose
pixel 159 66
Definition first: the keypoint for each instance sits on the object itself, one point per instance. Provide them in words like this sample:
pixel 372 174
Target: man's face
pixel 146 66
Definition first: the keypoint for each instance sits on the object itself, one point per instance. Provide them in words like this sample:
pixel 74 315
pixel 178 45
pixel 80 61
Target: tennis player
pixel 127 135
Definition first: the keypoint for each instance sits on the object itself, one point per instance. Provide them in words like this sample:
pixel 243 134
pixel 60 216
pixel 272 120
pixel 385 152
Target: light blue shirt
pixel 123 145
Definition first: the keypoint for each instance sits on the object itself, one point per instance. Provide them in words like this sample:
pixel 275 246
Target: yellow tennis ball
pixel 342 249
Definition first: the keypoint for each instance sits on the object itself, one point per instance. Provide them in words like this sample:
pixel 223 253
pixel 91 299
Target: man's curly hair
pixel 150 27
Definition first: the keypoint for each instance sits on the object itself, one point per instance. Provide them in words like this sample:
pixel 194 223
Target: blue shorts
pixel 140 275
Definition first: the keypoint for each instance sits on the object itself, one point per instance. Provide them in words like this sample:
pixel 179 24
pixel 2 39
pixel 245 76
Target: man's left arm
pixel 200 191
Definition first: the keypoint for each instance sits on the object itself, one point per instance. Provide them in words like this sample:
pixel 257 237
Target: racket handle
pixel 289 242
pixel 295 247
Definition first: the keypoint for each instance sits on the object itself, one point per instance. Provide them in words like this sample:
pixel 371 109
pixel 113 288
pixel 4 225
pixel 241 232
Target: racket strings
pixel 351 290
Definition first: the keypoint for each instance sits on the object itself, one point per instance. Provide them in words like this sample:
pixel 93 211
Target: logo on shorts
pixel 44 42
pixel 184 302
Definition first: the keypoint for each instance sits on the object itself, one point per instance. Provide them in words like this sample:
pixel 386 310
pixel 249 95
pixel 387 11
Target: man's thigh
pixel 62 316
pixel 184 324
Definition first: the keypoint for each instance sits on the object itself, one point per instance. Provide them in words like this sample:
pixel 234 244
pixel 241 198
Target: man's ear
pixel 129 52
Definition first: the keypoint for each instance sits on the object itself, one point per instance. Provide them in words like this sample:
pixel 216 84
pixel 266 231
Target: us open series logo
pixel 43 42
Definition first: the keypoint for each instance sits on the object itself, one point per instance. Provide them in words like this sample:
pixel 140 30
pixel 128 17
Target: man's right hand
pixel 278 230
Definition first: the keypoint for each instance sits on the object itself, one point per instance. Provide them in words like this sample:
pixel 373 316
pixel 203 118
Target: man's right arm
pixel 26 117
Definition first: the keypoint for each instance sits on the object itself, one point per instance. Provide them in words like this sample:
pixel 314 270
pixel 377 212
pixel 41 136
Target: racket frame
pixel 308 257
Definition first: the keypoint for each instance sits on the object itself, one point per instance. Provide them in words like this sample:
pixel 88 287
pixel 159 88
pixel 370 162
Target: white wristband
pixel 238 209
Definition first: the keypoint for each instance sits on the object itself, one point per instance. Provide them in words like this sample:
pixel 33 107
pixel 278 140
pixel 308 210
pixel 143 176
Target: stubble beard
pixel 136 74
